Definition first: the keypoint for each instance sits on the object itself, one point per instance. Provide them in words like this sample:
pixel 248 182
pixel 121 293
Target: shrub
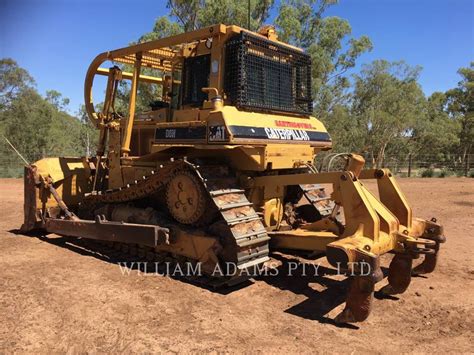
pixel 427 173
pixel 443 173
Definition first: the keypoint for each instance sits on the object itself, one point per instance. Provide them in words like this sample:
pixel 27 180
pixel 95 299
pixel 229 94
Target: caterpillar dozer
pixel 219 168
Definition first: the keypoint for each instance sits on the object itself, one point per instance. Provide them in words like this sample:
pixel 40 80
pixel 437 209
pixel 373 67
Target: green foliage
pixel 327 40
pixel 387 101
pixel 444 173
pixel 36 126
pixel 190 15
pixel 56 99
pixel 88 134
pixel 427 173
pixel 460 105
pixel 13 80
pixel 27 120
pixel 344 129
pixel 434 132
pixel 194 14
pixel 163 28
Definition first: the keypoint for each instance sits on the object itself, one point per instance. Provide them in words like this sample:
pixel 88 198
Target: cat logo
pixel 217 134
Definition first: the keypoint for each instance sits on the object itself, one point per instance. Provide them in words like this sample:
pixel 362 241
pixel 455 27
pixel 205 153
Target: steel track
pixel 238 227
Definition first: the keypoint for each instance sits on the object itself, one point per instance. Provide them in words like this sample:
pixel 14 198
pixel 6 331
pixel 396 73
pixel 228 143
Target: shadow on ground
pixel 324 293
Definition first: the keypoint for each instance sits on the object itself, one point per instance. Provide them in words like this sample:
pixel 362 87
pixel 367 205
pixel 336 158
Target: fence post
pixel 466 166
pixel 409 165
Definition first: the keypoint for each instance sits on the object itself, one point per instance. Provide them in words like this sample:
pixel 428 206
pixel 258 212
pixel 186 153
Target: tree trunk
pixel 380 156
pixel 409 164
pixel 466 165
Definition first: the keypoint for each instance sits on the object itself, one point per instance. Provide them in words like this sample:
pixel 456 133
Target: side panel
pixel 257 127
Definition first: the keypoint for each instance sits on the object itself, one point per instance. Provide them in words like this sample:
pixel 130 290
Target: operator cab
pixel 179 80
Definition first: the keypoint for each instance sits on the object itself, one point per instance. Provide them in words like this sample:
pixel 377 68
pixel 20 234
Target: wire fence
pixel 408 165
pixel 430 165
pixel 11 165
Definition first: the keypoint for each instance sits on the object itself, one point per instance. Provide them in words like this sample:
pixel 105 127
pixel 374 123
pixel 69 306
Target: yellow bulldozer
pixel 220 168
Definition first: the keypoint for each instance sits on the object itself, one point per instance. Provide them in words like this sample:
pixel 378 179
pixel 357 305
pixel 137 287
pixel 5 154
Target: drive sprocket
pixel 186 198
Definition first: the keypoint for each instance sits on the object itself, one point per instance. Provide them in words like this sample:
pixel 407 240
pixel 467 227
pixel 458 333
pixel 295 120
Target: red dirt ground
pixel 55 297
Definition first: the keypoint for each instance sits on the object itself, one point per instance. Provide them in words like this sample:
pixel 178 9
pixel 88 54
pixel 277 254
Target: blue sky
pixel 55 40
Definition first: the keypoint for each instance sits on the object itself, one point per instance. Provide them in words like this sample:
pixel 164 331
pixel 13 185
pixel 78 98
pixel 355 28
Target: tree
pixel 185 12
pixel 460 105
pixel 13 80
pixel 88 135
pixel 26 123
pixel 387 102
pixel 163 28
pixel 194 14
pixel 346 133
pixel 327 40
pixel 56 99
pixel 426 136
pixel 38 127
pixel 189 15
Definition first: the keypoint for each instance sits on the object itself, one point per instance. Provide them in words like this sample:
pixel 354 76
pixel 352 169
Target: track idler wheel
pixel 399 274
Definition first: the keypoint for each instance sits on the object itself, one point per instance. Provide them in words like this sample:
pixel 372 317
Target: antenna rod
pixel 16 151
